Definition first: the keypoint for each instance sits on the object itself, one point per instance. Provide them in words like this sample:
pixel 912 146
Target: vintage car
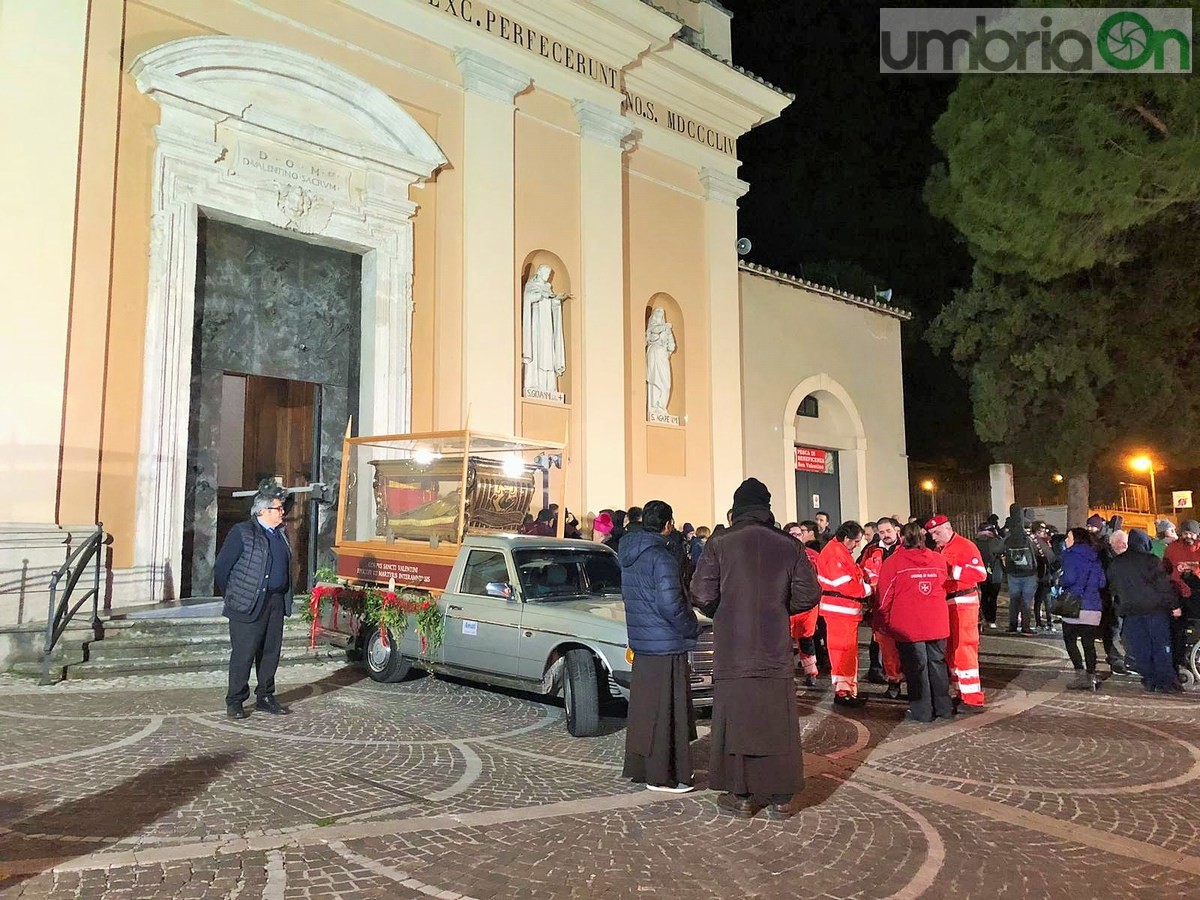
pixel 434 514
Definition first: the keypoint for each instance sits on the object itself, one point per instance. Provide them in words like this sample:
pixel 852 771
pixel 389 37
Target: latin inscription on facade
pixel 289 168
pixel 661 418
pixel 529 39
pixel 473 12
pixel 679 123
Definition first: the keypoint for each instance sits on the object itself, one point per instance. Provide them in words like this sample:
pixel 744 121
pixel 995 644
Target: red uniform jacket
pixel 911 604
pixel 1177 559
pixel 843 585
pixel 965 570
pixel 871 562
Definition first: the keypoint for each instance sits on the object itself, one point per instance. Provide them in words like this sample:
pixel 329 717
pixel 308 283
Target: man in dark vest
pixel 254 574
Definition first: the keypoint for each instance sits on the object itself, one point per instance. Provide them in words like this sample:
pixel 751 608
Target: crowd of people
pixel 1133 593
pixel 784 601
pixel 787 602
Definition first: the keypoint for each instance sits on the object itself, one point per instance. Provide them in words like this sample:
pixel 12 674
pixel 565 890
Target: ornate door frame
pixel 264 136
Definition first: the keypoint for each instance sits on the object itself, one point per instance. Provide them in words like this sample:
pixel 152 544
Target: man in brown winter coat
pixel 750 579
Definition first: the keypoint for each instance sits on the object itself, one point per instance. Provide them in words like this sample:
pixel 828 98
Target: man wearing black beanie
pixel 750 579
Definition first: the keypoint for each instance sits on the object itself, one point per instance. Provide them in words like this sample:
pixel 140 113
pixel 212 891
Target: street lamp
pixel 928 485
pixel 1146 464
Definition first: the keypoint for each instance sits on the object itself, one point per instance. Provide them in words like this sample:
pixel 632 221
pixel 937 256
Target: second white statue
pixel 660 344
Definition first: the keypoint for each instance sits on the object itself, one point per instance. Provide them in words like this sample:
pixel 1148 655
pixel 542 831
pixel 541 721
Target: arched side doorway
pixel 259 135
pixel 836 429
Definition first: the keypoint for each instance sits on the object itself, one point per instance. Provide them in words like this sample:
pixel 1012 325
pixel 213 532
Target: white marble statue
pixel 542 348
pixel 660 344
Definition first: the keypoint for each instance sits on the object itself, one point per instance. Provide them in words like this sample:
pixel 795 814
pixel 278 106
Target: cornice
pixel 885 309
pixel 489 77
pixel 723 188
pixel 597 123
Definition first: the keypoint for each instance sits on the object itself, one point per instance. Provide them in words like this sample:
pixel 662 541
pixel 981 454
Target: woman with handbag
pixel 1079 604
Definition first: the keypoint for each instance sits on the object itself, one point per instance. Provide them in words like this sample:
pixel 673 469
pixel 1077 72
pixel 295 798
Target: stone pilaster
pixel 489 277
pixel 722 192
pixel 603 391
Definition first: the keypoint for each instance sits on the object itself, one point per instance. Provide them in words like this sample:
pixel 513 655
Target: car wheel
pixel 384 662
pixel 581 694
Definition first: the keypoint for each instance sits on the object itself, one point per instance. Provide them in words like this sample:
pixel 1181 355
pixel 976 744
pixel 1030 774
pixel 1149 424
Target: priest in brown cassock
pixel 750 579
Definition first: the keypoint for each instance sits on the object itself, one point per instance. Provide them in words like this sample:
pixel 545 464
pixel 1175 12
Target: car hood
pixel 607 610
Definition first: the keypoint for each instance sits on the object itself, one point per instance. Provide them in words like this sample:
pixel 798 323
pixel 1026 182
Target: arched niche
pixel 677 403
pixel 560 281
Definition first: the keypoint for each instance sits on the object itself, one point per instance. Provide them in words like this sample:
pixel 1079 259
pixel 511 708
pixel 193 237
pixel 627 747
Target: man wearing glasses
pixel 254 574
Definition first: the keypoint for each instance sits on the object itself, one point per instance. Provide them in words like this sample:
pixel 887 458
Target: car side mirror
pixel 499 589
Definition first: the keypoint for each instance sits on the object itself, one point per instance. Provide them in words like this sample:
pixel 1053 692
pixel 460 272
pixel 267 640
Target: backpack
pixel 1019 552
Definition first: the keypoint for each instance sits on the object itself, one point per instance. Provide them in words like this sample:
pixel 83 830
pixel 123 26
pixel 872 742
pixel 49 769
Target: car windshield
pixel 554 574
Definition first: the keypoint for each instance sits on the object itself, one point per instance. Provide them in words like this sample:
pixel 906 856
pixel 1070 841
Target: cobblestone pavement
pixel 140 788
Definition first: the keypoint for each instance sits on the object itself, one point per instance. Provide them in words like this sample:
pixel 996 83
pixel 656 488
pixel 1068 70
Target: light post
pixel 1146 464
pixel 928 485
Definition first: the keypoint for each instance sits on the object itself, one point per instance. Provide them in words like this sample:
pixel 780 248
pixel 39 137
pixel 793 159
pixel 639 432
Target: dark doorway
pixel 818 484
pixel 275 370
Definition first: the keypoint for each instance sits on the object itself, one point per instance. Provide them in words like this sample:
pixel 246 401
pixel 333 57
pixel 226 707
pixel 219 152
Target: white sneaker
pixel 667 789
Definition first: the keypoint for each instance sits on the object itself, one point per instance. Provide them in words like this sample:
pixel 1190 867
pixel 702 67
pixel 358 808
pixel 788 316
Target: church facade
pixel 246 223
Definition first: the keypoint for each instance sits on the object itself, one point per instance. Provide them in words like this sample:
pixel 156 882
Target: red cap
pixel 937 520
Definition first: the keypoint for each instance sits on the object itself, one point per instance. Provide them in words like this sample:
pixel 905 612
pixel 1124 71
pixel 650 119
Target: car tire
pixel 384 664
pixel 581 694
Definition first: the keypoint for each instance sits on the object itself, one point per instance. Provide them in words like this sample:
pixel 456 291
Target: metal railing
pixel 67 576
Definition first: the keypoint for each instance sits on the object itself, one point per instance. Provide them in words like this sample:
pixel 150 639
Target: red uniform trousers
pixel 803 627
pixel 962 648
pixel 890 656
pixel 842 618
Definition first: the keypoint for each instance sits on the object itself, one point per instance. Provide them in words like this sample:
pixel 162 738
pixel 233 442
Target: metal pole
pixel 933 500
pixel 1153 494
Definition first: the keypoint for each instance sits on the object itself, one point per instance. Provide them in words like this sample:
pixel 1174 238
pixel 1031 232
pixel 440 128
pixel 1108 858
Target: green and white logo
pixel 1044 40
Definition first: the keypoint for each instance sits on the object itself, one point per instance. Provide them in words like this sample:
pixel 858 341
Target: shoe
pixel 1028 632
pixel 1170 689
pixel 269 704
pixel 1011 631
pixel 235 711
pixel 876 676
pixel 1118 668
pixel 810 680
pixel 1081 682
pixel 739 806
pixel 780 812
pixel 893 690
pixel 848 700
pixel 962 707
pixel 680 788
pixel 909 717
pixel 991 626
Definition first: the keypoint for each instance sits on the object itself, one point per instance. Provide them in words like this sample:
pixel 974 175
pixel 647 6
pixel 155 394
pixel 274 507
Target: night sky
pixel 838 179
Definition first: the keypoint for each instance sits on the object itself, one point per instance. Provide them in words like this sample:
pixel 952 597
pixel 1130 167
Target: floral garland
pixel 386 610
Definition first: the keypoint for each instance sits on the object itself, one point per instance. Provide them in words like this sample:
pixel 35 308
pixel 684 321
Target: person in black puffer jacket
pixel 1144 598
pixel 662 629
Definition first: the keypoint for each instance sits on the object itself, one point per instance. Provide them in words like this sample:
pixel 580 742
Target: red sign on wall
pixel 814 459
pixel 372 568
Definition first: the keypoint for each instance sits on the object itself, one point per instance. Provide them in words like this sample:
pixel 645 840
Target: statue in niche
pixel 660 344
pixel 542 348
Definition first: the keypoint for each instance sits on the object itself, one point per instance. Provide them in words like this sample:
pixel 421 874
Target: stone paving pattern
pixel 141 788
